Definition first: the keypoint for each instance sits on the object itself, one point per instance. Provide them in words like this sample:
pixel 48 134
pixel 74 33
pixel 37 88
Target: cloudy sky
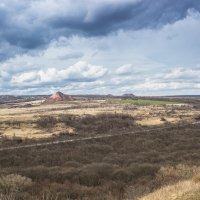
pixel 145 47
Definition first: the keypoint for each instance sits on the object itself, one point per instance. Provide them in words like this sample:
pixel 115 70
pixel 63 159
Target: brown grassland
pixel 134 164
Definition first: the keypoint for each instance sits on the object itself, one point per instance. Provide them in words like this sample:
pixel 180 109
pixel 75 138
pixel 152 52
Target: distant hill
pixel 128 95
pixel 59 97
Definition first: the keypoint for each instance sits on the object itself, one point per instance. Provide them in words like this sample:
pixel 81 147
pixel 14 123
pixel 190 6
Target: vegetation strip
pixel 90 138
pixel 143 102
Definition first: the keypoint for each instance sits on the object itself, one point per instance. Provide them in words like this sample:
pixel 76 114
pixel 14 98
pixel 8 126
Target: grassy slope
pixel 184 190
pixel 192 195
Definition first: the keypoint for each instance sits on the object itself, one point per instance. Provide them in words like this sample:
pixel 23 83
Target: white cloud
pixel 182 73
pixel 25 77
pixel 81 71
pixel 4 76
pixel 124 69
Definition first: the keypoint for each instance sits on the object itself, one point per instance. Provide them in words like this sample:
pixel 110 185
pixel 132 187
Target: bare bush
pixel 14 183
pixel 67 119
pixel 7 197
pixel 93 174
pixel 46 122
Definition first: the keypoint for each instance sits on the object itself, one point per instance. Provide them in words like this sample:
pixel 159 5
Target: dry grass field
pixel 21 119
pixel 161 164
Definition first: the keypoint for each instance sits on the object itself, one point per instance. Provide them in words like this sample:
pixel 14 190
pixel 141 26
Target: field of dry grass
pixel 20 121
pixel 155 165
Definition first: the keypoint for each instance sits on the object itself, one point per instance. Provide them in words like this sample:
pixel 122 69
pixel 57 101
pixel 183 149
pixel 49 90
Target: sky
pixel 144 47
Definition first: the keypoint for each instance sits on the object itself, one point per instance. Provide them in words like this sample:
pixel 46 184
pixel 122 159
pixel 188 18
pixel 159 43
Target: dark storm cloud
pixel 131 15
pixel 25 39
pixel 105 19
pixel 26 27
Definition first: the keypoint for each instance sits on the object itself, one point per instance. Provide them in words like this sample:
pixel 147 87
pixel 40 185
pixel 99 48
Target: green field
pixel 142 102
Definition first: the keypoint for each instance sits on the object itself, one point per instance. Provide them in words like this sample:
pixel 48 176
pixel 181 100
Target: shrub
pixel 93 174
pixel 14 183
pixel 38 173
pixel 7 197
pixel 46 122
pixel 143 170
pixel 72 164
pixel 121 175
pixel 67 119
